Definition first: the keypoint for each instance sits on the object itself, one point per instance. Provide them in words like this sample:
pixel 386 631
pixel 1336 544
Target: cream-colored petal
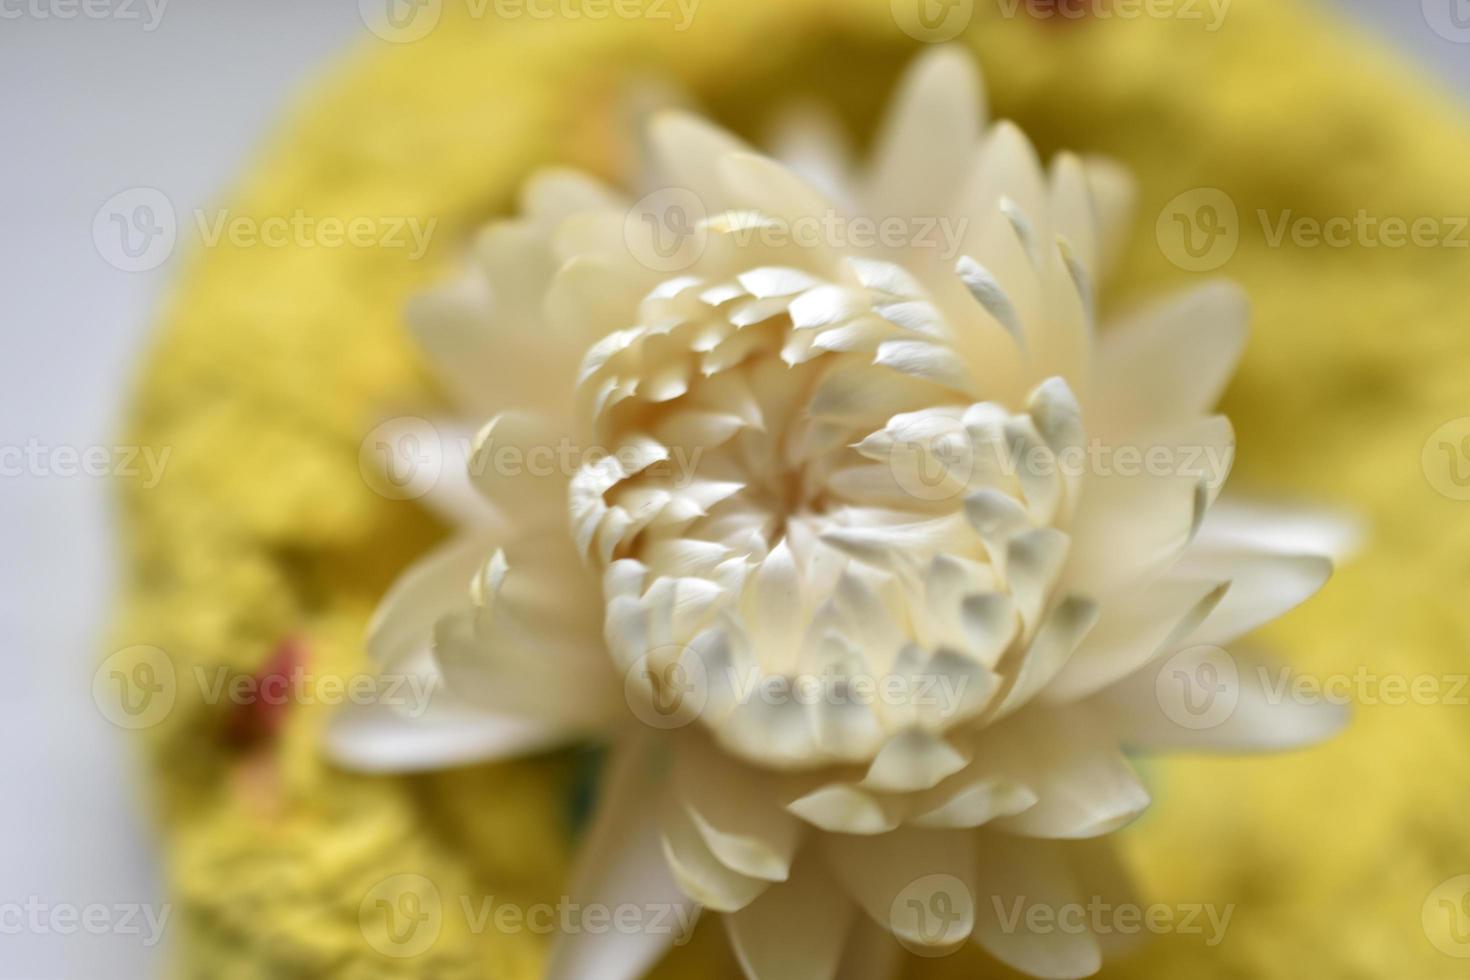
pixel 687 151
pixel 1170 362
pixel 533 645
pixel 703 876
pixel 522 464
pixel 1201 699
pixel 402 627
pixel 1015 875
pixel 846 809
pixel 1263 586
pixel 897 877
pixel 737 811
pixel 1114 199
pixel 796 930
pixel 380 738
pixel 1131 632
pixel 971 798
pixel 871 952
pixel 913 760
pixel 620 862
pixel 1063 629
pixel 1069 759
pixel 1282 527
pixel 928 136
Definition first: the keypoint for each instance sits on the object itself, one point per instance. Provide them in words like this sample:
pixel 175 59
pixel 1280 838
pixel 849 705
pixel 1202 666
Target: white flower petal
pixel 1015 875
pixel 1256 710
pixel 845 809
pixel 928 136
pixel 380 738
pixel 703 876
pixel 620 862
pixel 881 872
pixel 736 811
pixel 1170 362
pixel 1067 757
pixel 796 930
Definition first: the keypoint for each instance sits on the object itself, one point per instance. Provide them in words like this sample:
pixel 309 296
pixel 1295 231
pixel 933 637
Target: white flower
pixel 860 546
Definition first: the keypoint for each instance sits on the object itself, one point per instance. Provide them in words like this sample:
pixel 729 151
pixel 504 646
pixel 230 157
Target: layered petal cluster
pixel 863 551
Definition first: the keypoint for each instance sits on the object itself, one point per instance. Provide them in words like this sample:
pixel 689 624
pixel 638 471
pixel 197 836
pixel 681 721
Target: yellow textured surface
pixel 273 364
